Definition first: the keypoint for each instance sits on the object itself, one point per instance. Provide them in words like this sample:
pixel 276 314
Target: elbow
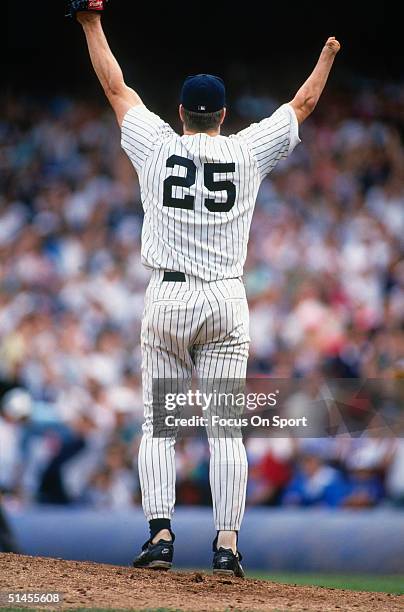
pixel 114 86
pixel 310 105
pixel 303 107
pixel 115 90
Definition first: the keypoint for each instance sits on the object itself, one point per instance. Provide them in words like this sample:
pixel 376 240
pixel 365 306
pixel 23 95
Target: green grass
pixel 352 582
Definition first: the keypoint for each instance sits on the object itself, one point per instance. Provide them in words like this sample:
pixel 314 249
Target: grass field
pixel 353 582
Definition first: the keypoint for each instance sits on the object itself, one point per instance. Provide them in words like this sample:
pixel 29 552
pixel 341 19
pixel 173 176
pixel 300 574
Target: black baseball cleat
pixel 155 556
pixel 226 563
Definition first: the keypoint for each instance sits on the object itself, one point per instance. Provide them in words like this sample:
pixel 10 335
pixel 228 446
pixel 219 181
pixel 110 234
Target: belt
pixel 174 277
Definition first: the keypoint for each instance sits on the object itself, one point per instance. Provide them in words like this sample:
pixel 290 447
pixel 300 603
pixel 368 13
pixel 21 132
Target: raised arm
pixel 308 95
pixel 108 71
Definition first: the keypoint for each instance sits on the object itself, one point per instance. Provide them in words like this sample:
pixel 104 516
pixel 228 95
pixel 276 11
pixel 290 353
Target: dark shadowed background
pixel 259 45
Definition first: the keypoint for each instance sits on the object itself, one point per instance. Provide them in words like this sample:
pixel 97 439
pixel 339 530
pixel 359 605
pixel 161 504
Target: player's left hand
pixel 333 45
pixel 83 8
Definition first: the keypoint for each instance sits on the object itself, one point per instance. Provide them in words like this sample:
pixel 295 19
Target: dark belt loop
pixel 174 277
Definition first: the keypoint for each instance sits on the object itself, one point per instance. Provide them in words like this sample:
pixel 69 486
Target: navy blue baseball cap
pixel 203 93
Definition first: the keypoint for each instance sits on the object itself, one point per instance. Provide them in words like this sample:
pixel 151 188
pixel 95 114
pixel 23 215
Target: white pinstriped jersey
pixel 199 191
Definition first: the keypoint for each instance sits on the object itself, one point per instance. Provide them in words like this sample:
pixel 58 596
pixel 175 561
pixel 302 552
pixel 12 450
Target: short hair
pixel 202 122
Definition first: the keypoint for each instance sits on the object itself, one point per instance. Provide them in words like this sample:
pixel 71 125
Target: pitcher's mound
pixel 92 585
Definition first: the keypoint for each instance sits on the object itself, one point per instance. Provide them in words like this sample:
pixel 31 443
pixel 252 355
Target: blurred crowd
pixel 324 276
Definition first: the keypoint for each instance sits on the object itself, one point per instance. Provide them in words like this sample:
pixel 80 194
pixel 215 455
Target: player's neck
pixel 188 132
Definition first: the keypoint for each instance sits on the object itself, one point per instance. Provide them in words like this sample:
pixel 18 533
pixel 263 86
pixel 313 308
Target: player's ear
pixel 224 111
pixel 181 112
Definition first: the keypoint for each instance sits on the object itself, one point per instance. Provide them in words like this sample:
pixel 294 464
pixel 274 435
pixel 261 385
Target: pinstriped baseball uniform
pixel 198 195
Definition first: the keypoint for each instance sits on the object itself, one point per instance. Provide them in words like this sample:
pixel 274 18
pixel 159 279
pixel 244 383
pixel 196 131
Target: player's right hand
pixel 333 45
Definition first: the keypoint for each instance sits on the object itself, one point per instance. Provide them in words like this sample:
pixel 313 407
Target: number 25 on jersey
pixel 209 170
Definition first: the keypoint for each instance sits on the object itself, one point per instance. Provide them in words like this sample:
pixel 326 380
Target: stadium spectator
pixel 364 478
pixel 324 275
pixel 314 483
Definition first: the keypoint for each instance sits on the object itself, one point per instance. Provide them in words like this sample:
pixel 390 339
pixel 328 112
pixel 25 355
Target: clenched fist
pixel 333 45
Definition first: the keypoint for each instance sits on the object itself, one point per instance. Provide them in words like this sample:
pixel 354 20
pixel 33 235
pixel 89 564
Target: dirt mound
pixel 91 585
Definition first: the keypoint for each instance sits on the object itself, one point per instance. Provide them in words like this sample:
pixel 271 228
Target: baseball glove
pixel 74 6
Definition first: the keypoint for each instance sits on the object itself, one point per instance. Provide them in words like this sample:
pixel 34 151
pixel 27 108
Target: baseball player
pixel 198 192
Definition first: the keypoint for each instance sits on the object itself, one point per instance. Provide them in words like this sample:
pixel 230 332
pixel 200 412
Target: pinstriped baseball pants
pixel 193 328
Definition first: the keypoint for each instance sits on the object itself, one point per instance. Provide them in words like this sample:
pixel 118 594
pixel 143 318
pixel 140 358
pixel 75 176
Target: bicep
pixel 302 110
pixel 122 101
